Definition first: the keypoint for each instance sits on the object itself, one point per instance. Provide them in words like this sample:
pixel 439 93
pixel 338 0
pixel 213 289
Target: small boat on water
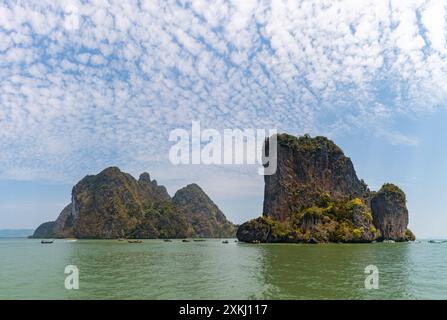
pixel 256 241
pixel 46 241
pixel 225 241
pixel 185 240
pixel 437 241
pixel 199 240
pixel 167 240
pixel 135 241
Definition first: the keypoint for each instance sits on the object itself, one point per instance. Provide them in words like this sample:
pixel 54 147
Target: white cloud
pixel 72 101
pixel 433 17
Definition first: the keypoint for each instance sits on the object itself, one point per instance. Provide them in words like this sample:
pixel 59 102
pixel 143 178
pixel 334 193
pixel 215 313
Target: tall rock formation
pixel 390 214
pixel 206 218
pixel 113 204
pixel 306 168
pixel 316 196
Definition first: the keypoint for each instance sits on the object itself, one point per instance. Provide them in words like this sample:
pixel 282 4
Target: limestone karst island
pixel 113 204
pixel 315 196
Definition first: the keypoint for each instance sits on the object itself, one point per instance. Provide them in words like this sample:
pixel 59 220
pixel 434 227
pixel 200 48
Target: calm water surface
pixel 211 270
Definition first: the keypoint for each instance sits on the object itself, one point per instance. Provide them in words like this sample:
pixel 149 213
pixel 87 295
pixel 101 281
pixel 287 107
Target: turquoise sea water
pixel 154 269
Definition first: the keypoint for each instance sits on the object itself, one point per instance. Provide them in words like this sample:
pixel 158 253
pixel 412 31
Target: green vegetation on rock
pixel 336 221
pixel 391 189
pixel 307 143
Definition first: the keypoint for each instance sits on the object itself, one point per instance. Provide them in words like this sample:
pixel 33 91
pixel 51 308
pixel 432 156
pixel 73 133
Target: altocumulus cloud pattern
pixel 111 88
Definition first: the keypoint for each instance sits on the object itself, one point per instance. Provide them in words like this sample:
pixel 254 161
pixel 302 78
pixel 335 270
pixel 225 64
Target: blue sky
pixel 85 85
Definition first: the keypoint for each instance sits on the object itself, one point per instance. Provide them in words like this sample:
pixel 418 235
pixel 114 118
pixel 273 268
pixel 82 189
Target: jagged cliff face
pixel 112 204
pixel 151 191
pixel 63 226
pixel 390 214
pixel 316 196
pixel 206 218
pixel 306 168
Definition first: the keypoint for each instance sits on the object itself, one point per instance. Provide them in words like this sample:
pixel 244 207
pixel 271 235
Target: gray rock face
pixel 390 214
pixel 205 217
pixel 151 189
pixel 306 168
pixel 256 230
pixel 63 226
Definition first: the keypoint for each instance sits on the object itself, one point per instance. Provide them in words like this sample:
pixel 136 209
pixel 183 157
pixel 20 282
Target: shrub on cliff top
pixel 389 188
pixel 307 143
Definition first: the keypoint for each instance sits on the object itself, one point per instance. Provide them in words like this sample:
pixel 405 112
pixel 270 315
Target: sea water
pixel 154 269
